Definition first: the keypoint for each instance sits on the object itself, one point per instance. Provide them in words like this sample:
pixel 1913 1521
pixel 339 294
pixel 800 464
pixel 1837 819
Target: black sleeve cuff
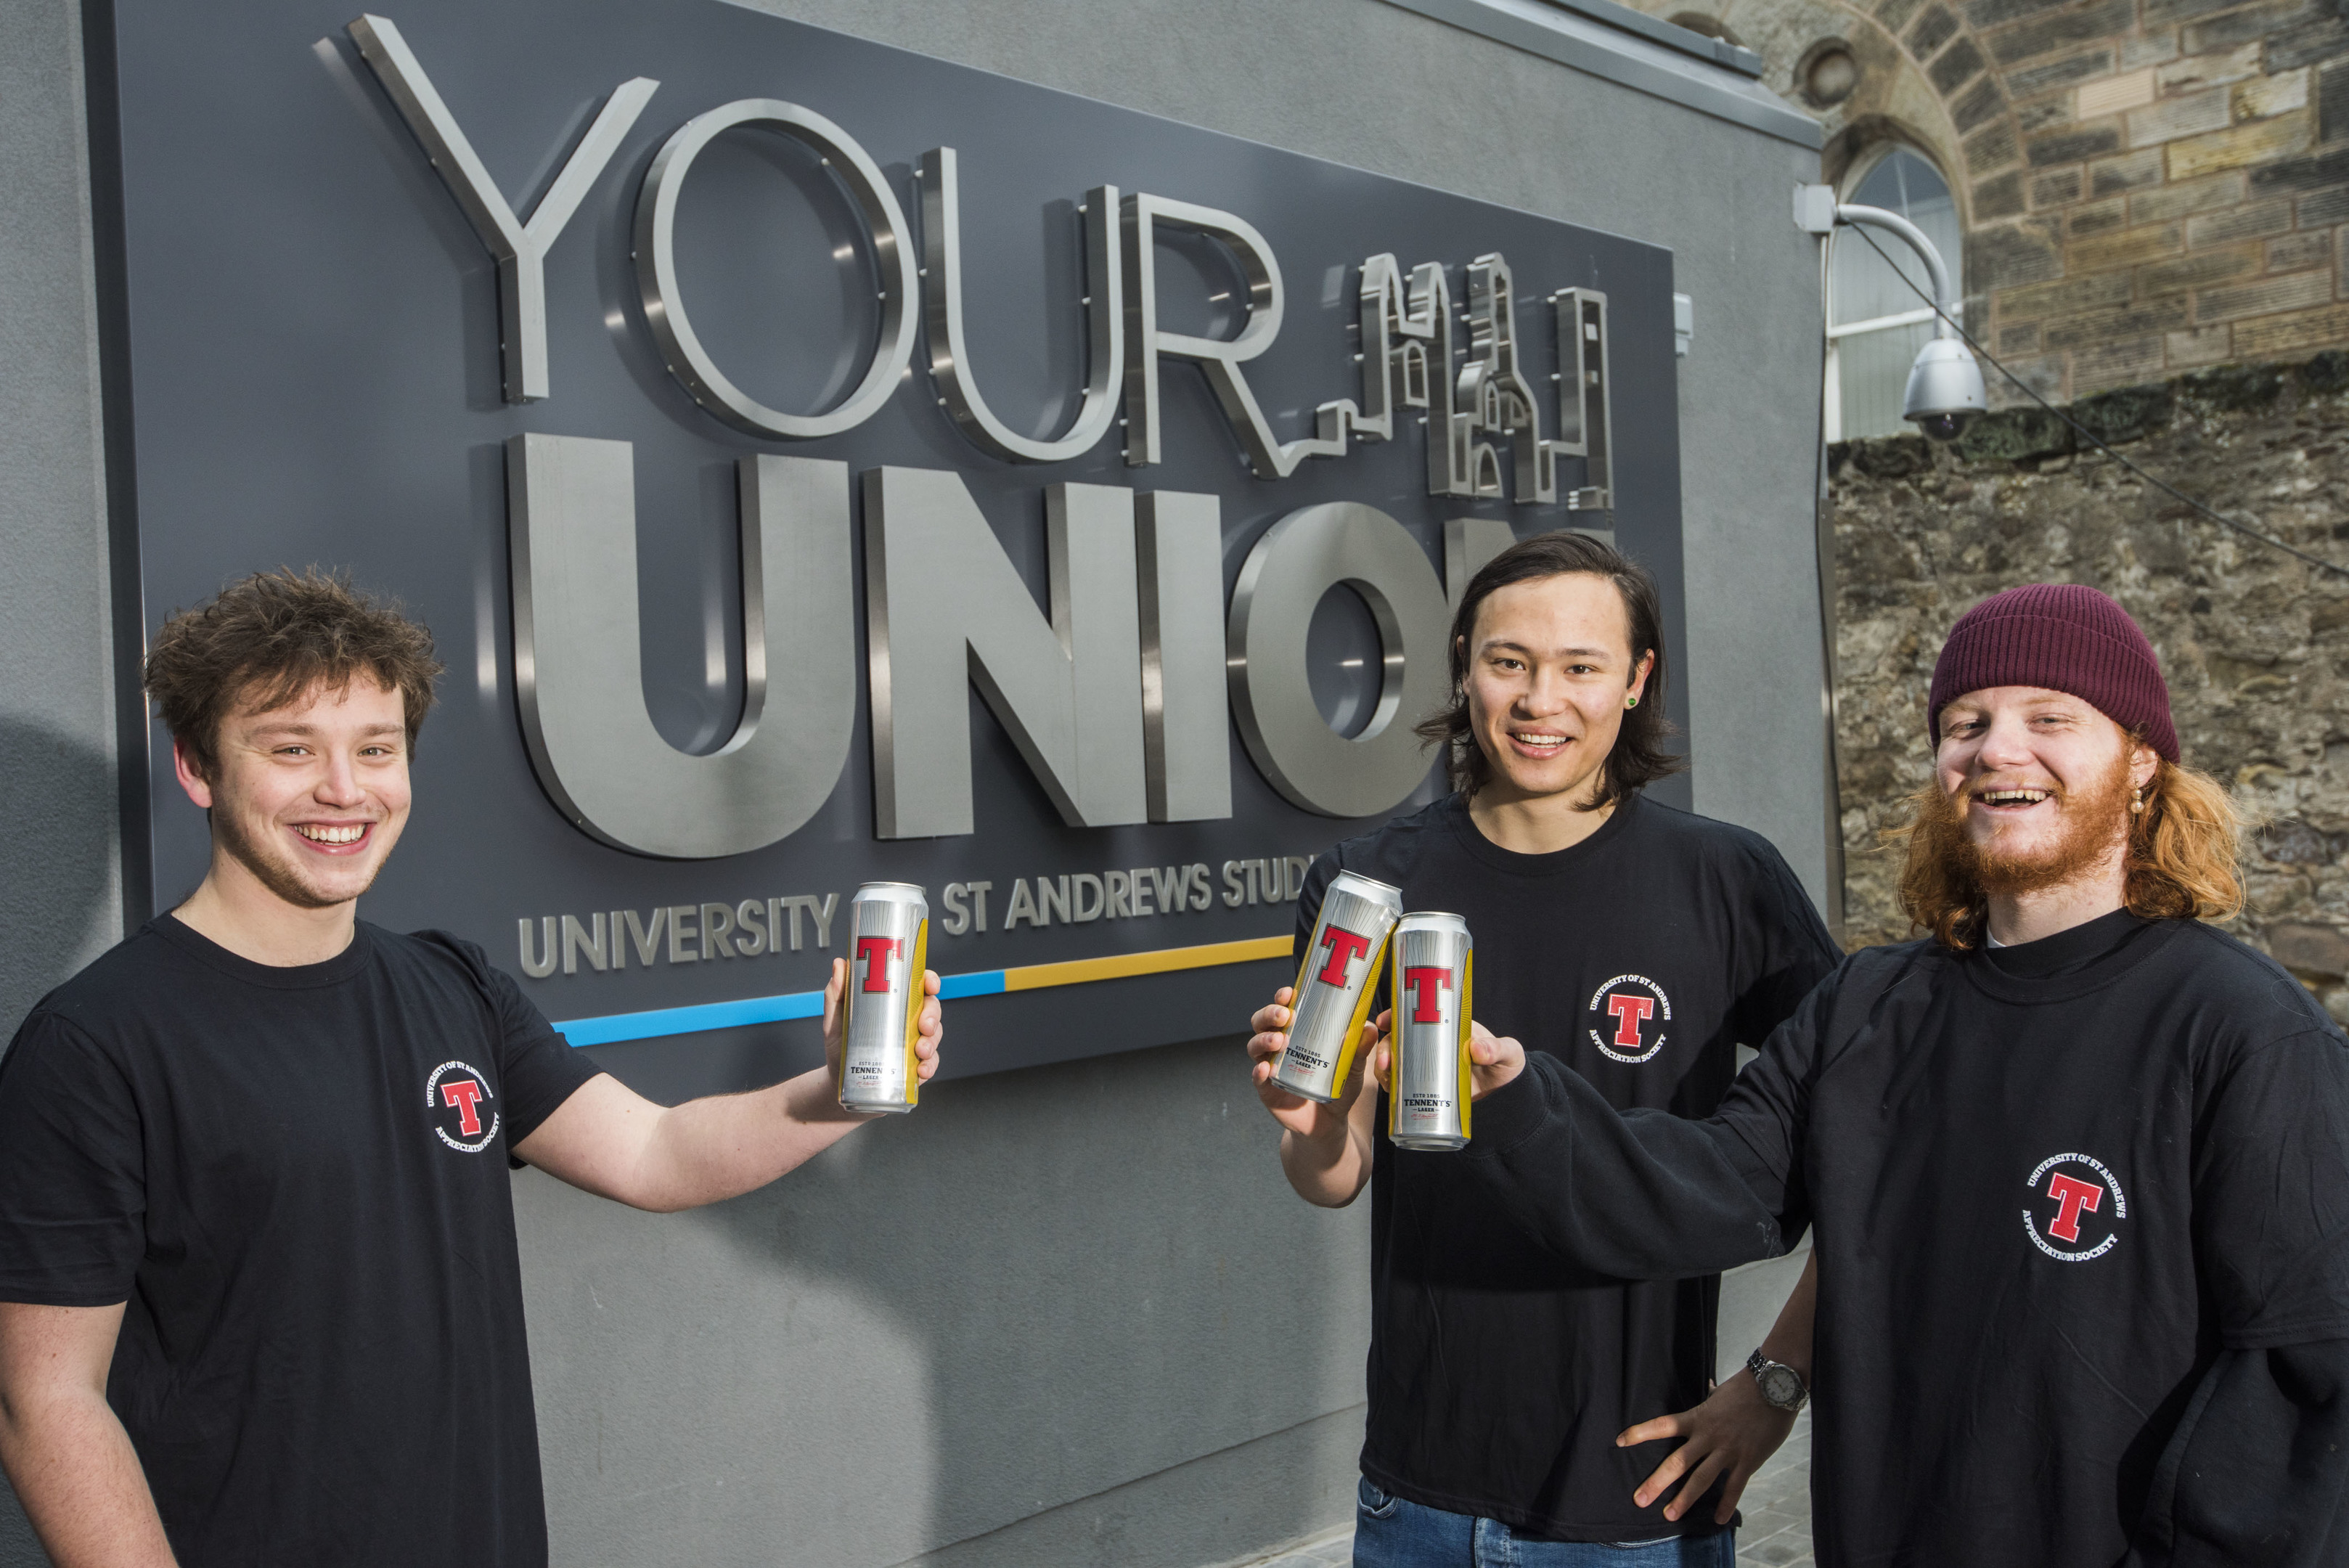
pixel 1515 1111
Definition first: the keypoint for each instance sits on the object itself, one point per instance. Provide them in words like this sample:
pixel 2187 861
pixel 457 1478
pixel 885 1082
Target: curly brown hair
pixel 266 641
pixel 2184 853
pixel 1640 756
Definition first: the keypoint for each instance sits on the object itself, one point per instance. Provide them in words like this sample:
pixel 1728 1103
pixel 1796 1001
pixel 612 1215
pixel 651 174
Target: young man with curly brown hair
pixel 260 1300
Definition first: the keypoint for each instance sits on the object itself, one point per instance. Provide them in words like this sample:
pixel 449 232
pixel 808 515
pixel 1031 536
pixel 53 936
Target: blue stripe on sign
pixel 652 1025
pixel 979 982
pixel 690 1020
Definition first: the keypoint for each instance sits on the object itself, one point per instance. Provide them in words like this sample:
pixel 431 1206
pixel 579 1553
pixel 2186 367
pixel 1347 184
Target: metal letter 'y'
pixel 519 245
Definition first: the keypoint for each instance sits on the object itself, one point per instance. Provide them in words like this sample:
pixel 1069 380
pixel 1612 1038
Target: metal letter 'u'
pixel 578 660
pixel 950 354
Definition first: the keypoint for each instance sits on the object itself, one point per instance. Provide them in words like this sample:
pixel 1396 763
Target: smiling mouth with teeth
pixel 319 833
pixel 1539 740
pixel 2011 796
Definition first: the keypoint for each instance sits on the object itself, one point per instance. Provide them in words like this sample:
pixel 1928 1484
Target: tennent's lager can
pixel 1427 1095
pixel 889 933
pixel 1335 984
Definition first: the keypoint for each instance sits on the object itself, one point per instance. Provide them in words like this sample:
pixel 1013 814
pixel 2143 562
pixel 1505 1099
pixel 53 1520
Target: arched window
pixel 1875 322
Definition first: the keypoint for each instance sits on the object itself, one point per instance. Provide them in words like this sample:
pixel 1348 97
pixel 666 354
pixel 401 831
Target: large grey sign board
pixel 1088 675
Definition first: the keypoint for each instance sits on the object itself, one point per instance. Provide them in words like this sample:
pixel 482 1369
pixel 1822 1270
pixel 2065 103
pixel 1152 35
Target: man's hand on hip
pixel 1728 1437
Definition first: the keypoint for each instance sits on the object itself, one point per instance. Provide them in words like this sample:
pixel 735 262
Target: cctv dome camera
pixel 1945 389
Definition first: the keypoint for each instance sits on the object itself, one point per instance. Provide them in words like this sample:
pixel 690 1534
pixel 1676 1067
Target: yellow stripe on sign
pixel 1164 961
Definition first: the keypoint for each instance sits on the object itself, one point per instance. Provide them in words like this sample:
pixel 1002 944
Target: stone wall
pixel 2254 643
pixel 2145 185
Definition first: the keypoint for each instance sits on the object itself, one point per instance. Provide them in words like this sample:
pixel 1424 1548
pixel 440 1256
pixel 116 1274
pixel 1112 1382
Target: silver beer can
pixel 888 943
pixel 1335 983
pixel 1428 1088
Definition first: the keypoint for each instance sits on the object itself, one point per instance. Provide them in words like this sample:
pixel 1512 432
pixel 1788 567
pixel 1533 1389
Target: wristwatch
pixel 1782 1386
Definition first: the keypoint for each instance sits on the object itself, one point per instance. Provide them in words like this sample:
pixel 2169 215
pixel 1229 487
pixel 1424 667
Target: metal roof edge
pixel 1672 36
pixel 1632 50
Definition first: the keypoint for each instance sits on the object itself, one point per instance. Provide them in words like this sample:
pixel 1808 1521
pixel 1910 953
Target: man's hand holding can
pixel 1325 1145
pixel 1495 1061
pixel 930 1025
pixel 1308 1118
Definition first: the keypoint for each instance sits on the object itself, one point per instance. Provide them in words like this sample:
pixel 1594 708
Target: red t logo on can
pixel 1425 983
pixel 875 953
pixel 1344 947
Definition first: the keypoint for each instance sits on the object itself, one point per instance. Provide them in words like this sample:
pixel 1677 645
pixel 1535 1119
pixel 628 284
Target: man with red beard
pixel 2076 1164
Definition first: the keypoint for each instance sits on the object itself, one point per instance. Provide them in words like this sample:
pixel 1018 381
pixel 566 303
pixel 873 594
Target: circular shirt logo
pixel 457 1097
pixel 1630 1013
pixel 2075 1210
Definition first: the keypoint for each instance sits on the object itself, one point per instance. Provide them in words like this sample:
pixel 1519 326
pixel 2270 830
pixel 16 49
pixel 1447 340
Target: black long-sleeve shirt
pixel 2082 1218
pixel 1643 956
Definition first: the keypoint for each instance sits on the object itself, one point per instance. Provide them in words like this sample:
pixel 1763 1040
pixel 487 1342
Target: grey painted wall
pixel 60 891
pixel 1069 1315
pixel 59 896
pixel 1065 1315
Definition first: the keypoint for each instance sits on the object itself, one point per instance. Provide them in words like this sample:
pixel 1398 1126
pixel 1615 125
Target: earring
pixel 1633 701
pixel 2136 801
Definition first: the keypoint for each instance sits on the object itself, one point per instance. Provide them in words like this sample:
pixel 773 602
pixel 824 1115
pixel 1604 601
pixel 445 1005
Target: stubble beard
pixel 2094 829
pixel 275 873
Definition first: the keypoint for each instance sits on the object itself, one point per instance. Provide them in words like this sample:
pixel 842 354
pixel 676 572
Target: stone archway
pixel 2143 192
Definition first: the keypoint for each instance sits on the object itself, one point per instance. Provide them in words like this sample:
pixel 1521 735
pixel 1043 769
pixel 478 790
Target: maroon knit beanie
pixel 2063 637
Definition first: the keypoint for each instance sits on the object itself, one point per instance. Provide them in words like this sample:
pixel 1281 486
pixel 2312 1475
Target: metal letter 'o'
pixel 656 242
pixel 1300 558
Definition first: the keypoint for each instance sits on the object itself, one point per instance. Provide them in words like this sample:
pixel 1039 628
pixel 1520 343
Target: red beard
pixel 2094 828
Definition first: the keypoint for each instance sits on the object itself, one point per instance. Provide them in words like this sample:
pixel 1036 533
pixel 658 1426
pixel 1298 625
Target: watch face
pixel 1780 1385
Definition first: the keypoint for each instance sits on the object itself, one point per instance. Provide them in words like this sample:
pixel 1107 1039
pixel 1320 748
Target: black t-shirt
pixel 296 1180
pixel 1499 1375
pixel 2050 1188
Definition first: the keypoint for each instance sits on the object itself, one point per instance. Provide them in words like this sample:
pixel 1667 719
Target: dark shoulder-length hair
pixel 1640 757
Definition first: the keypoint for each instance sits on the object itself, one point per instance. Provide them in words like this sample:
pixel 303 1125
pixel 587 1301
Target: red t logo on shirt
pixel 2084 1225
pixel 1629 1012
pixel 461 1087
pixel 1344 947
pixel 1424 982
pixel 875 953
pixel 2073 1196
pixel 465 1093
pixel 1642 1015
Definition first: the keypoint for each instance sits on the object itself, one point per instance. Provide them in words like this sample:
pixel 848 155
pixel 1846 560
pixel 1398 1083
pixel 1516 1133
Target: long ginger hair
pixel 2182 855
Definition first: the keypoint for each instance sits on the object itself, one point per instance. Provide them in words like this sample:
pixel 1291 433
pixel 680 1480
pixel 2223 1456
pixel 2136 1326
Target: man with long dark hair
pixel 1637 943
pixel 2076 1164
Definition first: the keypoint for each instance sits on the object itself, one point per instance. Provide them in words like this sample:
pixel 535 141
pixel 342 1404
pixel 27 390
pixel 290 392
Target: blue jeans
pixel 1391 1531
